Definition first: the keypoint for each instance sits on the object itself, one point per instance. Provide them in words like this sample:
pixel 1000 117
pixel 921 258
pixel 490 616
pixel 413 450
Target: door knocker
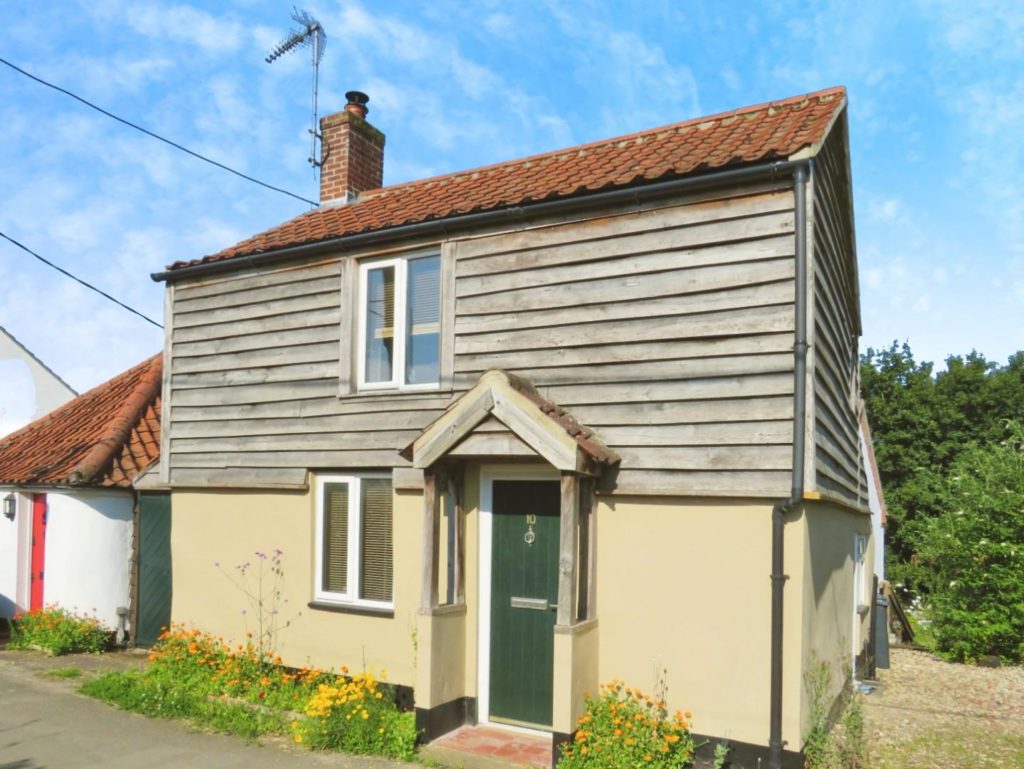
pixel 529 537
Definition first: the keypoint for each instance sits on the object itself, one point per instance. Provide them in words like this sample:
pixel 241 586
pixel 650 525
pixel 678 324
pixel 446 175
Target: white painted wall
pixel 15 544
pixel 88 552
pixel 28 389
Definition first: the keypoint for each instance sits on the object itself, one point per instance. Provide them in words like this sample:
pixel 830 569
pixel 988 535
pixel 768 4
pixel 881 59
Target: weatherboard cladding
pixel 683 368
pixel 838 465
pixel 666 329
pixel 748 135
pixel 105 437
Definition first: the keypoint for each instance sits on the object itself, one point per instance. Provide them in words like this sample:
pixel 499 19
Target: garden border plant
pixel 58 631
pixel 625 727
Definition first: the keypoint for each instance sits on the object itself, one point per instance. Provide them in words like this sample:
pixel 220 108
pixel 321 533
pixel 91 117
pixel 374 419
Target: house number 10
pixel 529 536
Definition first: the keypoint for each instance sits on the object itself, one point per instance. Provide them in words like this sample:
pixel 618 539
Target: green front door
pixel 154 593
pixel 524 597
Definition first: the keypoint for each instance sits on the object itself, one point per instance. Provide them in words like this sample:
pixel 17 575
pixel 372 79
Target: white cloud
pixel 184 24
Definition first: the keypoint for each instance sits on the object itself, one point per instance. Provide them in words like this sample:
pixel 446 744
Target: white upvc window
pixel 399 343
pixel 354 553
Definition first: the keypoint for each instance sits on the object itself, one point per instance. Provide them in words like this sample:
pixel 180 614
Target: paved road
pixel 46 724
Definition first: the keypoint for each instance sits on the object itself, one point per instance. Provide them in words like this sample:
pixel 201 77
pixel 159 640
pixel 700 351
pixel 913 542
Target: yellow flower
pixel 298 736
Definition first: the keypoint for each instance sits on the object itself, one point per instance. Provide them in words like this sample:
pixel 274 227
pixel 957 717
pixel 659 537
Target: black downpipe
pixel 779 509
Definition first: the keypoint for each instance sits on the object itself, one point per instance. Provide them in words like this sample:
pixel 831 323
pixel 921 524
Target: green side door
pixel 154 594
pixel 524 597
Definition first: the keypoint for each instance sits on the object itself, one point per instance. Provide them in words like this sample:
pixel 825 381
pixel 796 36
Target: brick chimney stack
pixel 351 154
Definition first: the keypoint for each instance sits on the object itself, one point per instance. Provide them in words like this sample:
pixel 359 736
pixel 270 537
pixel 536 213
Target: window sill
pixel 352 608
pixel 427 392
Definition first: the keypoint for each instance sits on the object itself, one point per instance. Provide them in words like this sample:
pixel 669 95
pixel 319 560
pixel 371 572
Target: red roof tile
pixel 764 132
pixel 105 437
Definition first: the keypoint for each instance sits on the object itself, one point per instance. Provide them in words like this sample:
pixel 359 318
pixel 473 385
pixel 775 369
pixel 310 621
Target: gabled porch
pixel 507 631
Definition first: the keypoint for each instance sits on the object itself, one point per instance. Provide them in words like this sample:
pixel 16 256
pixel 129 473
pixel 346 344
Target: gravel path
pixel 930 714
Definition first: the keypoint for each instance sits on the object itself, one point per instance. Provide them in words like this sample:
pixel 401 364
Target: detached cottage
pixel 525 428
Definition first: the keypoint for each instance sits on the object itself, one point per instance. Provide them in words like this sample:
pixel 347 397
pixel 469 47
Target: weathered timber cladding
pixel 838 466
pixel 669 331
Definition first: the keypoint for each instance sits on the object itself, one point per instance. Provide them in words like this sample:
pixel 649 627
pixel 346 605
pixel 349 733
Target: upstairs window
pixel 400 323
pixel 354 549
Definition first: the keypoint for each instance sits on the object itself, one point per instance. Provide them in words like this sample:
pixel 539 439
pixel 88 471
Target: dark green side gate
pixel 154 593
pixel 524 599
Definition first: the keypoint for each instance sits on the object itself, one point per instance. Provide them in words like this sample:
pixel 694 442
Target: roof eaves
pixel 119 429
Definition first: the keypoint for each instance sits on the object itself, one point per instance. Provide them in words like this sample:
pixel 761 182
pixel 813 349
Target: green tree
pixel 973 553
pixel 922 421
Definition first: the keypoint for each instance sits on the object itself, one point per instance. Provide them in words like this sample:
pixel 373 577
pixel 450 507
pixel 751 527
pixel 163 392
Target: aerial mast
pixel 310 33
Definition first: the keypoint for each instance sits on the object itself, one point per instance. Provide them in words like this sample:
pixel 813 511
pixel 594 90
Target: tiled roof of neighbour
pixel 105 437
pixel 764 132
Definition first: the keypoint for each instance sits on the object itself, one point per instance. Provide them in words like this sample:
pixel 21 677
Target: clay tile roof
pixel 105 437
pixel 583 436
pixel 770 131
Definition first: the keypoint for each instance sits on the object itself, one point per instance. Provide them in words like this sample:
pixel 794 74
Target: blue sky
pixel 936 112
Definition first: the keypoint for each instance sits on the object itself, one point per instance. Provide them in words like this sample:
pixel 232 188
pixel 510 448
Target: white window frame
pixel 401 267
pixel 355 496
pixel 860 573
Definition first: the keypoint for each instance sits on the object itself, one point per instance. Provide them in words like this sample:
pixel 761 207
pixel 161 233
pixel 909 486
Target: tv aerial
pixel 310 33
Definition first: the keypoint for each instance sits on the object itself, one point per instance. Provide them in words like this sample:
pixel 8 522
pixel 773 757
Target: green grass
pixel 953 748
pixel 133 691
pixel 63 673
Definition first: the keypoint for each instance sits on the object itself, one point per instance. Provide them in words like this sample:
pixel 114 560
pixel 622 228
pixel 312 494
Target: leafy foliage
pixel 828 745
pixel 357 715
pixel 623 728
pixel 58 631
pixel 922 421
pixel 154 697
pixel 245 689
pixel 973 552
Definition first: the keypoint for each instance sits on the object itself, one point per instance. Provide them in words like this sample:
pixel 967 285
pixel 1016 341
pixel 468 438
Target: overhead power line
pixel 89 286
pixel 155 136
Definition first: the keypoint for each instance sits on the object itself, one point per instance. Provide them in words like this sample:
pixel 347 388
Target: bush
pixel 975 551
pixel 357 715
pixel 624 728
pixel 58 631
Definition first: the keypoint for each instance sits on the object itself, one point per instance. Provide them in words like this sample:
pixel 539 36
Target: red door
pixel 38 550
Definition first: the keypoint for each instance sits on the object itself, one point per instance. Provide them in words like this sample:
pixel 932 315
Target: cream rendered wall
pixel 230 527
pixel 683 586
pixel 88 551
pixel 831 629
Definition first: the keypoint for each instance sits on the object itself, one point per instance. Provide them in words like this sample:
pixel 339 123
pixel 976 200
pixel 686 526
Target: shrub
pixel 58 631
pixel 357 715
pixel 974 550
pixel 624 728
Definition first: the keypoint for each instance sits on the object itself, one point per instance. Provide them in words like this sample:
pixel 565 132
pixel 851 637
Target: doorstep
pixel 486 747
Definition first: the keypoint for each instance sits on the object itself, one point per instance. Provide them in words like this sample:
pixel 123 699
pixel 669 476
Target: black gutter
pixel 443 228
pixel 779 509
